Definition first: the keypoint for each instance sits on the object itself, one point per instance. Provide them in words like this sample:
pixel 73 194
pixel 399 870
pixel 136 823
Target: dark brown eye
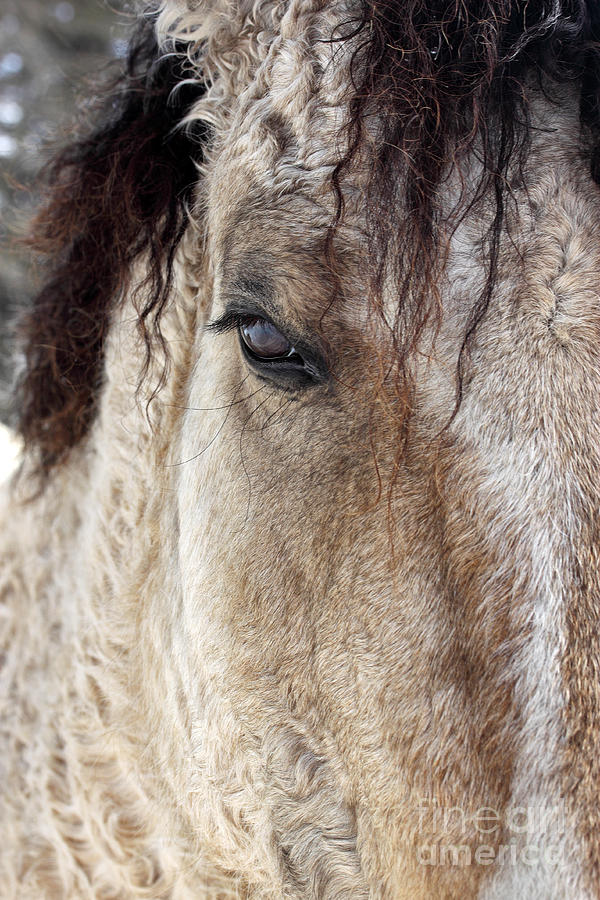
pixel 269 353
pixel 264 340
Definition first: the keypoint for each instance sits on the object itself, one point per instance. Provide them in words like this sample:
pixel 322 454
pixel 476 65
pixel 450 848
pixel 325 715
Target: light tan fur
pixel 229 667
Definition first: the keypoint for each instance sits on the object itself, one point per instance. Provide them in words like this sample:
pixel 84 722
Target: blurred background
pixel 50 53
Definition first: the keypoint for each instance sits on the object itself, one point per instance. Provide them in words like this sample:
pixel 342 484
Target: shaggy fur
pixel 431 83
pixel 118 192
pixel 261 640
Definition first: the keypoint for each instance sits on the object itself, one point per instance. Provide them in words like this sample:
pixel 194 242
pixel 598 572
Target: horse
pixel 299 570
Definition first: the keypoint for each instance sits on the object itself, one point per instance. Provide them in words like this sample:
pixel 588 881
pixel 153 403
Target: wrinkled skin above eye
pixel 264 340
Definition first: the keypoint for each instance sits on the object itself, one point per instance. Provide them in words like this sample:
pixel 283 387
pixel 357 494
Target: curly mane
pixel 441 80
pixel 444 80
pixel 114 194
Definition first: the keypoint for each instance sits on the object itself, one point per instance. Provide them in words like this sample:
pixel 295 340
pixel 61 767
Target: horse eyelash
pixel 235 318
pixel 229 321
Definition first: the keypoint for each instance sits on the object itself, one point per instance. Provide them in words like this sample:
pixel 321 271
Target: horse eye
pixel 263 340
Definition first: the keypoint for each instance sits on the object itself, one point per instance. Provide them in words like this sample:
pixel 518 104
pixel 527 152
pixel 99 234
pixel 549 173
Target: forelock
pixel 323 99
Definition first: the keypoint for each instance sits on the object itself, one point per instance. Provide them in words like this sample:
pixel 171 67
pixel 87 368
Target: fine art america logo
pixel 518 835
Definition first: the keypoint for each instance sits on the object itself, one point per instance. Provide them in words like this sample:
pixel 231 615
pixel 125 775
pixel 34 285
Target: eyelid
pixel 228 321
pixel 232 318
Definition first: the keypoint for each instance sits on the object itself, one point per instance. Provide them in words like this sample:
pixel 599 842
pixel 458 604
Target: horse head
pixel 300 569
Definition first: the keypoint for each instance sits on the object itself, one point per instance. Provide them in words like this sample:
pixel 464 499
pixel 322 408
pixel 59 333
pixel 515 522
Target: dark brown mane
pixel 112 195
pixel 444 78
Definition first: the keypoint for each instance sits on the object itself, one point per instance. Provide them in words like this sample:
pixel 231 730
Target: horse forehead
pixel 285 125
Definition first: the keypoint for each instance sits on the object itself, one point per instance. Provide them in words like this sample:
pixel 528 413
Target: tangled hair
pixel 113 194
pixel 443 79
